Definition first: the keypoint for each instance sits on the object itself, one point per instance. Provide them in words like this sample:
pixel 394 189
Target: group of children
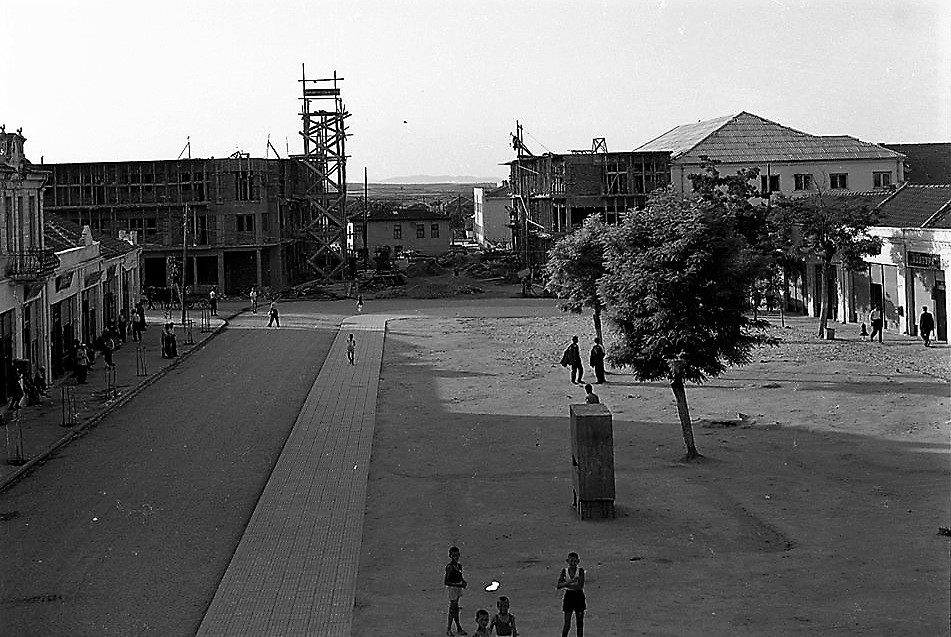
pixel 570 579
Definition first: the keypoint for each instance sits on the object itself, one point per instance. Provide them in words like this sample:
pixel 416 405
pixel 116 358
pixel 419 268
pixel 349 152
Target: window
pixel 616 173
pixel 244 186
pixel 839 181
pixel 434 230
pixel 245 223
pixel 881 179
pixel 420 230
pixel 397 231
pixel 803 182
pixel 769 183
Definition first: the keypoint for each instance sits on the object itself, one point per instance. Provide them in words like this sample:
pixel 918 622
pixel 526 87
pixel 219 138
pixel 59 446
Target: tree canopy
pixel 828 228
pixel 675 284
pixel 575 264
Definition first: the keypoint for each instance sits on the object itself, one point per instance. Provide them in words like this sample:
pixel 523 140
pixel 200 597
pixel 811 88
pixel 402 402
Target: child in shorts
pixel 504 622
pixel 351 348
pixel 454 582
pixel 572 580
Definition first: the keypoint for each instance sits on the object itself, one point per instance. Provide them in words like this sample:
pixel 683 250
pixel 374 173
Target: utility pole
pixel 185 244
pixel 366 248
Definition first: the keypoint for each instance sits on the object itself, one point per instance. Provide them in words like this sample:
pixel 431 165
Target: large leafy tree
pixel 827 228
pixel 575 264
pixel 675 284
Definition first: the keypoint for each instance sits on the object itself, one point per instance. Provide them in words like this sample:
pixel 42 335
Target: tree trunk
pixel 597 323
pixel 823 288
pixel 677 385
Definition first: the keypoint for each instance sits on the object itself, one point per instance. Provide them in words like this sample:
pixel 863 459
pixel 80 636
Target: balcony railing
pixel 35 264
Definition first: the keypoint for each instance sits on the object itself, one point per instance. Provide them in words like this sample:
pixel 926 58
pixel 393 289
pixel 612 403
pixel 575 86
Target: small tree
pixel 825 227
pixel 675 286
pixel 575 264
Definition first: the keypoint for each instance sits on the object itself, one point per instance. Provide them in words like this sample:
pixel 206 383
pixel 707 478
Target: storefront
pixel 926 288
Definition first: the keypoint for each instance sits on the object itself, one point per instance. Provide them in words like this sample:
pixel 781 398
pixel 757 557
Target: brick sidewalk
pixel 42 425
pixel 295 570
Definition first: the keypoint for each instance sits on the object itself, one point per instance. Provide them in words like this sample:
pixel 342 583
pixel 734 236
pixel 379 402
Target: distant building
pixel 553 194
pixel 790 162
pixel 246 216
pixel 925 163
pixel 491 219
pixel 414 228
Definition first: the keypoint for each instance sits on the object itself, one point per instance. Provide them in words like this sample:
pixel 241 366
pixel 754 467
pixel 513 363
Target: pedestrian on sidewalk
pixel 875 320
pixel 597 360
pixel 273 315
pixel 454 582
pixel 572 357
pixel 138 322
pixel 360 303
pixel 106 344
pixel 590 397
pixel 572 580
pixel 122 326
pixel 351 348
pixel 81 363
pixel 926 325
pixel 213 301
pixel 169 344
pixel 17 392
pixel 150 297
pixel 254 300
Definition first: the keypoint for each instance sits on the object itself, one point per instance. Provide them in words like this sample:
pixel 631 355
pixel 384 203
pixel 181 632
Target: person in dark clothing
pixel 169 344
pixel 81 363
pixel 138 322
pixel 597 360
pixel 122 326
pixel 150 297
pixel 273 315
pixel 213 301
pixel 926 325
pixel 572 358
pixel 875 320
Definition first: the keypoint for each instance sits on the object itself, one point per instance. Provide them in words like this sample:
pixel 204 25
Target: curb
pixel 94 419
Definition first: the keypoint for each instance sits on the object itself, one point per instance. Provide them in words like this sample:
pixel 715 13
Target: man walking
pixel 572 357
pixel 213 301
pixel 926 325
pixel 273 315
pixel 875 318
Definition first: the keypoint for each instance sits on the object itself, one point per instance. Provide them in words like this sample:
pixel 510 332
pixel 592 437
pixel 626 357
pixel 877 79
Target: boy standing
pixel 254 300
pixel 572 580
pixel 455 582
pixel 504 622
pixel 590 397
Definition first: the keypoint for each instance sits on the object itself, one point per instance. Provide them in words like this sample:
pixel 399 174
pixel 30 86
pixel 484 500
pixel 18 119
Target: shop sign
pixel 63 281
pixel 924 260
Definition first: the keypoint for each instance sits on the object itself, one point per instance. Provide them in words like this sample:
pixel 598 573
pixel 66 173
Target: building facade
pixel 415 228
pixel 790 162
pixel 552 194
pixel 491 220
pixel 237 221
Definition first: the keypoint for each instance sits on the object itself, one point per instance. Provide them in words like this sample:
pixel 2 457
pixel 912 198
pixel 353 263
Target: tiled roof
pixel 417 212
pixel 748 138
pixel 925 163
pixel 917 206
pixel 502 191
pixel 61 234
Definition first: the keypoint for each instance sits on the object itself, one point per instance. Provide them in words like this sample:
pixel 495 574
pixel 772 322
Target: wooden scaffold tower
pixel 325 134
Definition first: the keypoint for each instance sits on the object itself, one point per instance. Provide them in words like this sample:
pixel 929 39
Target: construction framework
pixel 324 131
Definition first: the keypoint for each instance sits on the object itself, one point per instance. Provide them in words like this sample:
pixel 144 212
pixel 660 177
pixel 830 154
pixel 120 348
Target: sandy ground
pixel 818 515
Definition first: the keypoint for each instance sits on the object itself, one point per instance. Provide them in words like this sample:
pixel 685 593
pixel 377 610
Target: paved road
pixel 128 530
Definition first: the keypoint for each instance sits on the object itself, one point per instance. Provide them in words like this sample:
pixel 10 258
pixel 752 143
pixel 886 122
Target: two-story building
pixel 790 162
pixel 238 221
pixel 416 228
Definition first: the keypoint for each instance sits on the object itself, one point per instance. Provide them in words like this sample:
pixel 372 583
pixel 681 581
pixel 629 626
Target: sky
pixel 435 87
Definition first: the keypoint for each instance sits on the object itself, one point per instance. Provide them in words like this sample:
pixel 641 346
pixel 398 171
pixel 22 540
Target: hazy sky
pixel 435 86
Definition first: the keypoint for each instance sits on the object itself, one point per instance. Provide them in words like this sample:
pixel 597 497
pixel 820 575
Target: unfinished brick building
pixel 245 215
pixel 554 193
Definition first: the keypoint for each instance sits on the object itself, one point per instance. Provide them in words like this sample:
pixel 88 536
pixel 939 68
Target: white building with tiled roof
pixel 790 162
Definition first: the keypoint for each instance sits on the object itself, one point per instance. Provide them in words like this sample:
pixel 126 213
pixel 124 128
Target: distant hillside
pixel 439 179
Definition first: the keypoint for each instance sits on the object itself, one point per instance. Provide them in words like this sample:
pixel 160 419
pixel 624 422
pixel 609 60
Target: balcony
pixel 36 264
